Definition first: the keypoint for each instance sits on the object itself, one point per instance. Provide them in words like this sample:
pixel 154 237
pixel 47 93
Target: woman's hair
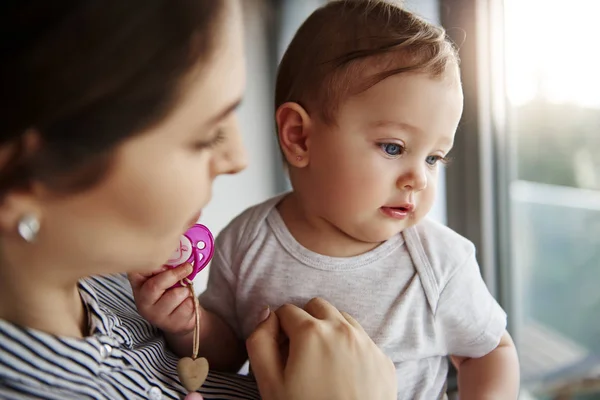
pixel 346 47
pixel 85 75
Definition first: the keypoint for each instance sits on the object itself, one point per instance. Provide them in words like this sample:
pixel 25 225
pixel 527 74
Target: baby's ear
pixel 293 129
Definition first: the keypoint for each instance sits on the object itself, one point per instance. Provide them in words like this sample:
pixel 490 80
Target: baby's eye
pixel 432 160
pixel 392 149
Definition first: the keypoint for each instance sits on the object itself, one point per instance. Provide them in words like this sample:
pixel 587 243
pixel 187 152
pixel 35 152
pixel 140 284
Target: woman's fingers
pixel 293 320
pixel 265 357
pixel 352 321
pixel 330 356
pixel 322 309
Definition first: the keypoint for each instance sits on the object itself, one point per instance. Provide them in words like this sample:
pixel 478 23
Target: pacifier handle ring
pixel 196 258
pixel 185 281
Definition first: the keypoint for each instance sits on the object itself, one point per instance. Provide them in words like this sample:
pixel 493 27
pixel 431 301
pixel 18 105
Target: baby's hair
pixel 347 46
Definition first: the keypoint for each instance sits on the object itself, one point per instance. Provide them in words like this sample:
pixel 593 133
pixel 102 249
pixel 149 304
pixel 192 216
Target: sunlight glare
pixel 553 51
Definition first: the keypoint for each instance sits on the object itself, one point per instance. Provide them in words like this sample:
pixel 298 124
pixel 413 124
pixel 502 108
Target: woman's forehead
pixel 216 86
pixel 220 85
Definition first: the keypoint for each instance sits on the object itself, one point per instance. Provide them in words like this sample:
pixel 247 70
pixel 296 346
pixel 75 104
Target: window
pixel 525 184
pixel 553 96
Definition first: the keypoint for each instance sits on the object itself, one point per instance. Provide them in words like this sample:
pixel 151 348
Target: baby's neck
pixel 41 304
pixel 318 235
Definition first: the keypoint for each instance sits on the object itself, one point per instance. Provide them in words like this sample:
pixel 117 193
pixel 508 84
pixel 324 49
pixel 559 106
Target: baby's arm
pixel 221 340
pixel 473 327
pixel 493 376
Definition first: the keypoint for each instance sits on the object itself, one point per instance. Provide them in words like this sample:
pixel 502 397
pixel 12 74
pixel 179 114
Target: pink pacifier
pixel 196 246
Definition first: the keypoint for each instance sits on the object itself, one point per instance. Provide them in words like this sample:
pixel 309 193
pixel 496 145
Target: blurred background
pixel 524 185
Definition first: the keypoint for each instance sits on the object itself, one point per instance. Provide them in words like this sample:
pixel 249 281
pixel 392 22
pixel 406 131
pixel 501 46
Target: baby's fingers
pixel 154 288
pixel 171 300
pixel 174 312
pixel 183 318
pixel 137 279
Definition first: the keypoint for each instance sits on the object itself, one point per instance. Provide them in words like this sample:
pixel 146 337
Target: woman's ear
pixel 294 129
pixel 17 205
pixel 19 211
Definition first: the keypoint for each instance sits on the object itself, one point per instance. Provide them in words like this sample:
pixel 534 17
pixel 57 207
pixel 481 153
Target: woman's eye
pixel 216 140
pixel 391 149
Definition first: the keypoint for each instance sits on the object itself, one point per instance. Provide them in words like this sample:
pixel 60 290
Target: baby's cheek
pixel 426 203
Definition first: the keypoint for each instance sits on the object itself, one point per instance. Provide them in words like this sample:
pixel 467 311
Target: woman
pixel 116 118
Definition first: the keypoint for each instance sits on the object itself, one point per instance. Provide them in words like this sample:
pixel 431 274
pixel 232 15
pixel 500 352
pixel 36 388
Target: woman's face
pixel 159 183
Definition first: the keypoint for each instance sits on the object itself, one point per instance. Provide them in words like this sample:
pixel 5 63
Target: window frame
pixel 477 181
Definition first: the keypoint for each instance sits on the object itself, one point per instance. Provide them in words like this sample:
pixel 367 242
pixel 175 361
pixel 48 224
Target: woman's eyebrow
pixel 214 120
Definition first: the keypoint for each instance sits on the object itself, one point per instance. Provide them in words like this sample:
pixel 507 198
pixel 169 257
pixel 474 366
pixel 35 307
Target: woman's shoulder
pixel 112 309
pixel 123 358
pixel 108 286
pixel 109 292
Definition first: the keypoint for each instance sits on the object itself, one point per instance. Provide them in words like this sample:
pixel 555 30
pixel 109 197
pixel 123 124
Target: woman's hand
pixel 330 357
pixel 169 309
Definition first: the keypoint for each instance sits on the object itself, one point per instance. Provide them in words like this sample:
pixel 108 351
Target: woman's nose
pixel 230 157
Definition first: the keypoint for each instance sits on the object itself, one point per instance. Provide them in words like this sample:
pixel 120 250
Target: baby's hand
pixel 169 309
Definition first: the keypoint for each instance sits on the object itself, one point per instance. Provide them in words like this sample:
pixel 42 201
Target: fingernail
pixel 264 314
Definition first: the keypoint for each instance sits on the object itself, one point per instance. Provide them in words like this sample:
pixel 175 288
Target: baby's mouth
pixel 398 212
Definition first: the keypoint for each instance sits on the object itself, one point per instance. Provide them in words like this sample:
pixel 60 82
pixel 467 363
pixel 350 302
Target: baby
pixel 368 100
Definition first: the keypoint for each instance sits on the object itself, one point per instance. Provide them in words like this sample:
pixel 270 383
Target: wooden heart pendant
pixel 192 373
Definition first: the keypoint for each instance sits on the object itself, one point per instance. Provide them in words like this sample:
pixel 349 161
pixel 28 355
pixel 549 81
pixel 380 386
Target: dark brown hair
pixel 346 47
pixel 85 75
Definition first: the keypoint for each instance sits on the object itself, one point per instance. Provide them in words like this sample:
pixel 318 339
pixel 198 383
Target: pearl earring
pixel 29 227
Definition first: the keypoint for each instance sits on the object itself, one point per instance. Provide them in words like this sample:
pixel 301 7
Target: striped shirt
pixel 124 358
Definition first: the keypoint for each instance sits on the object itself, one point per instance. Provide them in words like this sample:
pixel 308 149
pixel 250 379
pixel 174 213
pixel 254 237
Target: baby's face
pixel 375 172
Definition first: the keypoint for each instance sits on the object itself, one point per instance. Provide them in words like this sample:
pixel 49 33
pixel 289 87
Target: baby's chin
pixel 387 230
pixel 376 236
pixel 383 237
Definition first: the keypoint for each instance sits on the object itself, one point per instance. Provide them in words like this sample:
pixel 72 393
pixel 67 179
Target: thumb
pixel 265 356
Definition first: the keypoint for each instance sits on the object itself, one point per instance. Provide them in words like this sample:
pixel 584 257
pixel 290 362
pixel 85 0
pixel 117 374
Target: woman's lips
pixel 194 220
